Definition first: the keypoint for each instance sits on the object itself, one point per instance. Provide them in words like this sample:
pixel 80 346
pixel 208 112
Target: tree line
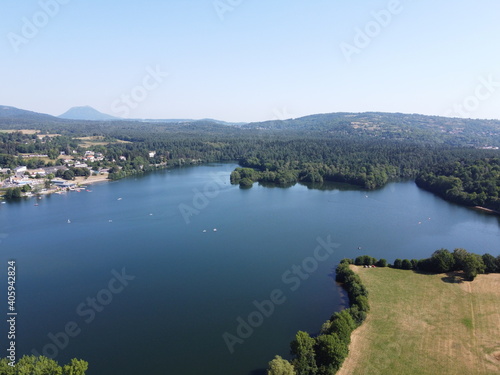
pixel 31 365
pixel 467 182
pixel 325 353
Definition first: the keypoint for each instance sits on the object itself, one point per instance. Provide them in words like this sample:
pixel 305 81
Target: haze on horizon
pixel 238 60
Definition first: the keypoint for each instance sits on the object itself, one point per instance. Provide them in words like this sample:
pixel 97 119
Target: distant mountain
pixel 16 114
pixel 87 113
pixel 395 126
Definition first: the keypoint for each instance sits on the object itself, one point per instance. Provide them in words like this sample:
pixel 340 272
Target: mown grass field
pixel 427 324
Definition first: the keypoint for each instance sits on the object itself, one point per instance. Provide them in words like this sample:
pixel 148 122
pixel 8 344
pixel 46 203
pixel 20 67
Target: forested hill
pixel 413 128
pixel 392 126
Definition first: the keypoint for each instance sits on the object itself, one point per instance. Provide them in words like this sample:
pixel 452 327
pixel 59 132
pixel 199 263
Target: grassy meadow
pixel 426 325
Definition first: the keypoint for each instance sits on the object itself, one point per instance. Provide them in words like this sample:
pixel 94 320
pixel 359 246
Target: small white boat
pixel 69 221
pixel 119 199
pixel 204 231
pixel 215 229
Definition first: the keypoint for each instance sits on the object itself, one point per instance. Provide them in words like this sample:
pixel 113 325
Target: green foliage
pixel 472 266
pixel 31 365
pixel 398 263
pixel 280 366
pixel 442 261
pixel 342 323
pixel 490 263
pixel 68 175
pixel 365 260
pixel 357 314
pixel 13 193
pixel 331 352
pixel 468 182
pixel 381 263
pixel 303 350
pixel 406 264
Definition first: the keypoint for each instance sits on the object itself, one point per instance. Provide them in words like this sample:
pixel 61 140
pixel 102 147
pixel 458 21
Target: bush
pixel 343 324
pixel 280 366
pixel 442 261
pixel 331 352
pixel 490 263
pixel 357 315
pixel 406 264
pixel 365 260
pixel 398 263
pixel 414 264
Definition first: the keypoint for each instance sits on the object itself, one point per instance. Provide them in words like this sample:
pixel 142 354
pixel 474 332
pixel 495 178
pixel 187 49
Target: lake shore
pixel 484 209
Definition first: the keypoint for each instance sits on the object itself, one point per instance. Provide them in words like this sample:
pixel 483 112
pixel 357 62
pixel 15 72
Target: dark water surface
pixel 141 289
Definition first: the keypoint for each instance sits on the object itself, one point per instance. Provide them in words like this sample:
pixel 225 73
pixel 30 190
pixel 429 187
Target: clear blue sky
pixel 260 60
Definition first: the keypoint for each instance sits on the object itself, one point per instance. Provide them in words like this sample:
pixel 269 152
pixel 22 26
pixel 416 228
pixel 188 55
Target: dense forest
pixel 471 182
pixel 455 158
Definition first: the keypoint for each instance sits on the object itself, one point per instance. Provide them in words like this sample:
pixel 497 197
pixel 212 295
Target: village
pixel 54 179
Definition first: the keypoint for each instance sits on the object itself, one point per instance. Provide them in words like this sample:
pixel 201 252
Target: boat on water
pixel 69 221
pixel 215 229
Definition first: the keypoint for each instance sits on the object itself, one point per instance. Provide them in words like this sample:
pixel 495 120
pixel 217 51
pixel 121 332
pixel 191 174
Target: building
pixel 20 169
pixel 34 172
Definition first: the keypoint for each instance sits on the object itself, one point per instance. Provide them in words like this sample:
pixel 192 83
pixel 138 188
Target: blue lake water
pixel 144 285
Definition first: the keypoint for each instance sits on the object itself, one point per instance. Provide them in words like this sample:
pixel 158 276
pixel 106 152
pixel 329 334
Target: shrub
pixel 406 264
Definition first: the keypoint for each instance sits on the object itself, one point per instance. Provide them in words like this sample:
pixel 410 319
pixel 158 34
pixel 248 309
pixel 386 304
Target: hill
pixel 16 115
pixel 392 126
pixel 87 113
pixel 424 325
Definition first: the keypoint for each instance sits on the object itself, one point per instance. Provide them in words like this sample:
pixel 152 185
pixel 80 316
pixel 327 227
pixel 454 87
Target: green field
pixel 427 324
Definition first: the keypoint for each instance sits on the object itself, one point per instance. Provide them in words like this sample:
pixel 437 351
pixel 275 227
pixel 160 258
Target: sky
pixel 251 60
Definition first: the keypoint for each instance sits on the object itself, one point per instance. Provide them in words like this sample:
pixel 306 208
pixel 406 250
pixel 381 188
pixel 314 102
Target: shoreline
pixel 484 209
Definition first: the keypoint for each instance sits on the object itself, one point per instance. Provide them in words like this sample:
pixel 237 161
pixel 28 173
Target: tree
pixel 443 261
pixel 381 263
pixel 473 265
pixel 76 367
pixel 343 324
pixel 68 175
pixel 331 352
pixel 459 255
pixel 406 264
pixel 398 263
pixel 303 349
pixel 280 366
pixel 31 365
pixel 490 263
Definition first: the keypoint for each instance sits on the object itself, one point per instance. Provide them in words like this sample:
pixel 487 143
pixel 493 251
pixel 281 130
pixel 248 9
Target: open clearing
pixel 427 324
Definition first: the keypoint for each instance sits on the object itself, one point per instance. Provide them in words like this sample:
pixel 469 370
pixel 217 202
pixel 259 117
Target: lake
pixel 133 278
